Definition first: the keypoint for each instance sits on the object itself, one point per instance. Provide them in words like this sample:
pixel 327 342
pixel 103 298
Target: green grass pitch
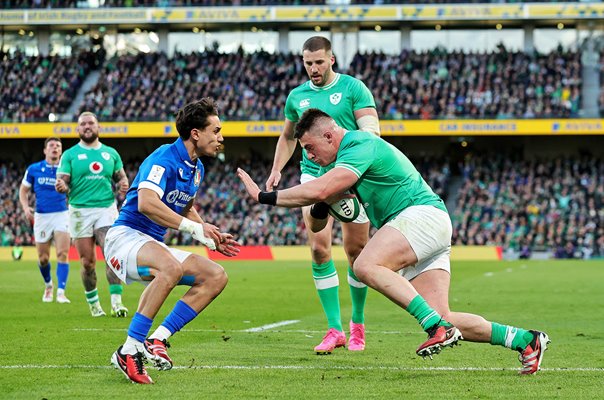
pixel 57 351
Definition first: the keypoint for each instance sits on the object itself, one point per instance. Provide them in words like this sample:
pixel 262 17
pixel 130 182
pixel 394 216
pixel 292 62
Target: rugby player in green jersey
pixel 407 260
pixel 85 173
pixel 351 104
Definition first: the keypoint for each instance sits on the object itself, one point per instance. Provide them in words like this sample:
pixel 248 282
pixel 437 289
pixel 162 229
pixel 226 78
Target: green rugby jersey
pixel 91 172
pixel 388 182
pixel 340 99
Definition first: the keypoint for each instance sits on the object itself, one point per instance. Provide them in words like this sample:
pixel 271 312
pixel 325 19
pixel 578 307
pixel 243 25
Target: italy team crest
pixel 335 98
pixel 197 177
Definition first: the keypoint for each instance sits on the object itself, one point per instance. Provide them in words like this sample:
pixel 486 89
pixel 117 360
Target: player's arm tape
pixel 196 230
pixel 319 210
pixel 369 123
pixel 269 198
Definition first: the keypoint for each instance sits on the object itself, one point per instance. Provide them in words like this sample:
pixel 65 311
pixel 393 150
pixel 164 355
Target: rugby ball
pixel 345 210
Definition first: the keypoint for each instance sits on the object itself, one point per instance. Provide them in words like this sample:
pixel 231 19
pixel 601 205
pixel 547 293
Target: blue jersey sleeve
pixel 29 177
pixel 153 176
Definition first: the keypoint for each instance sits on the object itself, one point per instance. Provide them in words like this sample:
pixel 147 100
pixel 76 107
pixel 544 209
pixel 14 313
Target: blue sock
pixel 62 274
pixel 45 271
pixel 181 315
pixel 139 327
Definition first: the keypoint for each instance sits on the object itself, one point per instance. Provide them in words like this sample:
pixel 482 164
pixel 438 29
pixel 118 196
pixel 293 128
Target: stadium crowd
pixel 34 86
pixel 411 85
pixel 551 205
pixel 532 205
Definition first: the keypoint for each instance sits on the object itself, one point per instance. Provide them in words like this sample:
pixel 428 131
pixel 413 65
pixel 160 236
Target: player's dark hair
pixel 51 139
pixel 308 119
pixel 195 116
pixel 317 43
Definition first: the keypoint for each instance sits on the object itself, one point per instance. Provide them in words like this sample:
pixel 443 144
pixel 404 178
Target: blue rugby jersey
pixel 40 177
pixel 170 173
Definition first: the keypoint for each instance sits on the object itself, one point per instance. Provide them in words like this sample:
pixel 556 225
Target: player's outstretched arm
pixel 286 145
pixel 122 181
pixel 329 188
pixel 62 183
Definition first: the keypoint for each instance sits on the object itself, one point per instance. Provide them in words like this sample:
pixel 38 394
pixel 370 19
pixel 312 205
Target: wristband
pixel 269 198
pixel 319 210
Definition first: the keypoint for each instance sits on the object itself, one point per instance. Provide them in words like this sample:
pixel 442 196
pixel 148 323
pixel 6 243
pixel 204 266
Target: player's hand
pixel 123 186
pixel 228 246
pixel 212 232
pixel 61 186
pixel 29 214
pixel 339 196
pixel 273 181
pixel 250 186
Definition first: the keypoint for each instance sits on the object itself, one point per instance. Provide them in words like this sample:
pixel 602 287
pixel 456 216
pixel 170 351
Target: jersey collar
pixel 90 147
pixel 183 153
pixel 326 87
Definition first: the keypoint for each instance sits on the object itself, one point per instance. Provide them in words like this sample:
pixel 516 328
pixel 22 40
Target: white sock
pixel 132 346
pixel 161 333
pixel 116 299
pixel 48 284
pixel 60 292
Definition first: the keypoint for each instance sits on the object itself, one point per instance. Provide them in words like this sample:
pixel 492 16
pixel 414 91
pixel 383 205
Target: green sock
pixel 116 289
pixel 92 296
pixel 510 336
pixel 423 313
pixel 327 284
pixel 358 294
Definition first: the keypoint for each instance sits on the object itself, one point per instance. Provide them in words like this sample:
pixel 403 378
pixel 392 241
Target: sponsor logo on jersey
pixel 95 167
pixel 106 155
pixel 157 171
pixel 82 157
pixel 304 103
pixel 44 180
pixel 178 198
pixel 335 98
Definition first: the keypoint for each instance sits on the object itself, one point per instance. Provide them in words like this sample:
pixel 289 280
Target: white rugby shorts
pixel 361 219
pixel 46 224
pixel 122 245
pixel 84 221
pixel 428 230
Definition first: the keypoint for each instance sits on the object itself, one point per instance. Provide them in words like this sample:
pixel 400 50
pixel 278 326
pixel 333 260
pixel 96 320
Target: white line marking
pixel 271 326
pixel 307 367
pixel 255 330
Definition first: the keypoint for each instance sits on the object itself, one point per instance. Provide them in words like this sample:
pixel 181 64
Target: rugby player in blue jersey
pixel 161 197
pixel 50 219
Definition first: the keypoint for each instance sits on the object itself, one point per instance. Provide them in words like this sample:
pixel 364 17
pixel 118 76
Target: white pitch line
pixel 306 367
pixel 271 326
pixel 267 330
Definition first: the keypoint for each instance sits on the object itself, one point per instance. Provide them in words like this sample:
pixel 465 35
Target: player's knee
pixel 362 269
pixel 217 279
pixel 320 251
pixel 172 273
pixel 88 263
pixel 43 259
pixel 62 256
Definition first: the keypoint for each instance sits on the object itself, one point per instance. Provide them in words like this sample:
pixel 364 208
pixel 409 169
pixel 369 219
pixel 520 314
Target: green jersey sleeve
pixel 355 153
pixel 290 110
pixel 118 160
pixel 65 163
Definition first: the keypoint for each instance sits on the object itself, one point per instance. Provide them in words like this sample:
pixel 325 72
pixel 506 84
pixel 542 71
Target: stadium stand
pixel 34 86
pixel 532 205
pixel 411 85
